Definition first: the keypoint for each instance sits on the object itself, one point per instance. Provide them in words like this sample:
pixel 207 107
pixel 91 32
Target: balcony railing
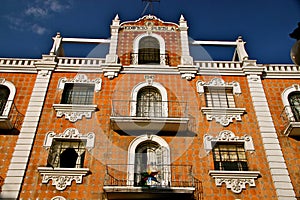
pixel 149 58
pixel 168 116
pixel 291 119
pixel 128 108
pixel 169 176
pixel 13 119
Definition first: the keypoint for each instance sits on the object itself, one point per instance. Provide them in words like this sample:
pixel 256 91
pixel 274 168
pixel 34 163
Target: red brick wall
pixel 24 84
pixel 111 147
pixel 273 89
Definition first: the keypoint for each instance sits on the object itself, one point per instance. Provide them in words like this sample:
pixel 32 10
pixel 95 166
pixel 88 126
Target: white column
pixel 18 164
pixel 276 161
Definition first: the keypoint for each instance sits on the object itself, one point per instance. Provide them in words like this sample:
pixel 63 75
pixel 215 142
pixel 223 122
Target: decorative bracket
pixel 224 116
pixel 62 177
pixel 74 112
pixel 235 180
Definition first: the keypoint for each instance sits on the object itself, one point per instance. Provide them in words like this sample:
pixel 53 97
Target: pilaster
pixel 273 151
pixel 19 162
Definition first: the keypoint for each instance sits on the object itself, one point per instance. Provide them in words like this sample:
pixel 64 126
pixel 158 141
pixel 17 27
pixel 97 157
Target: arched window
pixel 149 102
pixel 148 163
pixel 4 94
pixel 149 51
pixel 294 100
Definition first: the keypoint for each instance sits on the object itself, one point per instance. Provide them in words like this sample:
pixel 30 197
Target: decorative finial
pixel 182 18
pixel 116 17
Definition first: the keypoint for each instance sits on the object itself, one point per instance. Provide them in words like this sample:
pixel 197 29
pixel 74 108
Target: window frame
pixel 162 48
pixel 222 114
pixel 234 180
pixel 75 112
pixel 149 83
pixel 63 177
pixel 11 96
pixel 132 157
pixel 285 99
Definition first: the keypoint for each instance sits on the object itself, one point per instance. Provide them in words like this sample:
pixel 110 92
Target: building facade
pixel 148 121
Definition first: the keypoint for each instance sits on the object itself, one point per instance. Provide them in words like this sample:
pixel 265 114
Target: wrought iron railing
pixel 163 109
pixel 149 58
pixel 11 113
pixel 166 176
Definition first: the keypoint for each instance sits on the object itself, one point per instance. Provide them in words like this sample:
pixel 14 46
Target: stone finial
pixel 182 18
pixel 182 23
pixel 116 21
pixel 116 17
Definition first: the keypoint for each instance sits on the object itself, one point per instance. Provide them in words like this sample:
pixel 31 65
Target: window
pixel 220 100
pixel 65 164
pixel 219 97
pixel 148 159
pixel 149 99
pixel 149 102
pixel 4 94
pixel 77 97
pixel 66 154
pixel 78 94
pixel 294 101
pixel 230 162
pixel 230 157
pixel 149 154
pixel 149 52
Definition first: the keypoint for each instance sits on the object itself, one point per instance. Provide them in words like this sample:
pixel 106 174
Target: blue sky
pixel 28 25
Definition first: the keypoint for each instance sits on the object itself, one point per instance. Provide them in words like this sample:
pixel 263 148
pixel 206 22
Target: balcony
pixel 10 119
pixel 171 182
pixel 291 118
pixel 165 116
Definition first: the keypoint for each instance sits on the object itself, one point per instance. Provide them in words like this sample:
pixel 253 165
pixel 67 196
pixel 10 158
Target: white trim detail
pixel 10 99
pixel 62 177
pixel 149 82
pixel 58 198
pixel 224 116
pixel 218 82
pixel 80 78
pixel 235 180
pixel 227 136
pixel 131 153
pixel 284 96
pixel 70 133
pixel 74 112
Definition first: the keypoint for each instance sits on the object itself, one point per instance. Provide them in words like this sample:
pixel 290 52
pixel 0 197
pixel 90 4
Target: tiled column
pixel 277 165
pixel 18 164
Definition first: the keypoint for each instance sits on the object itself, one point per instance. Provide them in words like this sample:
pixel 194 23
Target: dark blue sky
pixel 28 25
